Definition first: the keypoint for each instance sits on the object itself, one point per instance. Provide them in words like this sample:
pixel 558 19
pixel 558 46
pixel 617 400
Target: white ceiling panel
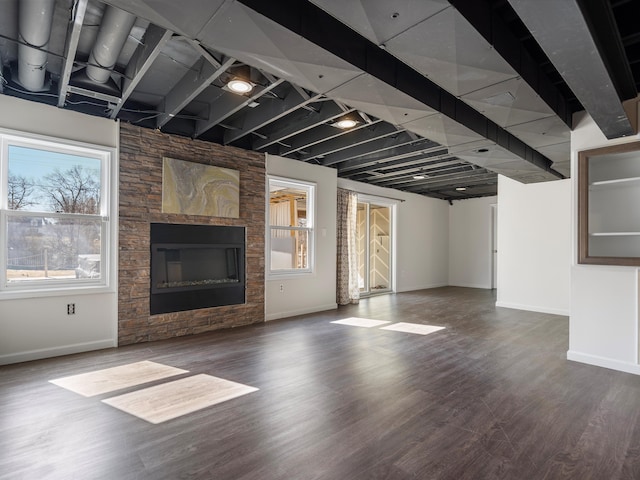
pixel 374 97
pixel 440 128
pixel 446 49
pixel 543 132
pixel 381 20
pixel 488 156
pixel 241 33
pixel 558 153
pixel 187 17
pixel 509 103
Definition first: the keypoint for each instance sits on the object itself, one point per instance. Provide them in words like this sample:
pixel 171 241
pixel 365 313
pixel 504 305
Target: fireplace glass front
pixel 196 266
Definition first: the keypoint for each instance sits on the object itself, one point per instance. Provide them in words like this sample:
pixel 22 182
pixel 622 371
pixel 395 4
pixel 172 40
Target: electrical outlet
pixel 71 308
pixel 281 288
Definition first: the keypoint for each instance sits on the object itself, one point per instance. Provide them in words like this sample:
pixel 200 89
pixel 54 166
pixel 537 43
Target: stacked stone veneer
pixel 141 153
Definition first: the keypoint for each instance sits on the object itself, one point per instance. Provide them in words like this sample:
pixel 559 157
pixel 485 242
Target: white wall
pixel 603 327
pixel 534 245
pixel 422 242
pixel 317 292
pixel 470 242
pixel 38 326
pixel 422 237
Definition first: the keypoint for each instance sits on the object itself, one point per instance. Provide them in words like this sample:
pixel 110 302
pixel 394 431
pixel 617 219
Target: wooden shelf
pixel 614 182
pixel 614 234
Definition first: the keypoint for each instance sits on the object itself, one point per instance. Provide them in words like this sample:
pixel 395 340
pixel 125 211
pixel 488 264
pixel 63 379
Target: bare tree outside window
pixel 76 190
pixel 67 236
pixel 20 192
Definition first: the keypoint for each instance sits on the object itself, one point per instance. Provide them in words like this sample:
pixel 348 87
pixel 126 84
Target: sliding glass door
pixel 374 247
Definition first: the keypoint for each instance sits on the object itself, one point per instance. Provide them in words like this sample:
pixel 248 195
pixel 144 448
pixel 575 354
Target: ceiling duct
pixel 581 61
pixel 114 30
pixel 35 17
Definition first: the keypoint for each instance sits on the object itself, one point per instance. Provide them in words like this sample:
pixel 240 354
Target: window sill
pixel 23 293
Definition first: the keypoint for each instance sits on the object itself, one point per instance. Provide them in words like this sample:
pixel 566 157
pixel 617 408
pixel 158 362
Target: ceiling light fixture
pixel 421 175
pixel 461 189
pixel 347 121
pixel 238 85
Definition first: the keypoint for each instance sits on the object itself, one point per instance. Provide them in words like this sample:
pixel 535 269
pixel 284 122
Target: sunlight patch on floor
pixel 417 328
pixel 111 379
pixel 360 322
pixel 174 399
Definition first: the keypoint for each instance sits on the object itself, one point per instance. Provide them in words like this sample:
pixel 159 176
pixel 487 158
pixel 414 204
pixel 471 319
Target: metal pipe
pixel 114 30
pixel 35 18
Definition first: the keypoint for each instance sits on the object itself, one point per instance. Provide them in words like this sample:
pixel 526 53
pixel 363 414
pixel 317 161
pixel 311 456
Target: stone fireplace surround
pixel 140 201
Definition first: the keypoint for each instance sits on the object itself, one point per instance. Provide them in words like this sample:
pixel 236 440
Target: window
pixel 54 213
pixel 290 220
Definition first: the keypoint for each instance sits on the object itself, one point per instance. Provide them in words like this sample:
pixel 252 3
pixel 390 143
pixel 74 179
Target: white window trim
pixel 108 215
pixel 311 207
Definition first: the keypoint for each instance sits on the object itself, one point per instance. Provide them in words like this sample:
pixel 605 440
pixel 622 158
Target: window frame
pixel 42 287
pixel 310 188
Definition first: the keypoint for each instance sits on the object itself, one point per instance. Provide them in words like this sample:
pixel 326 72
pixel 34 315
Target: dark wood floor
pixel 490 397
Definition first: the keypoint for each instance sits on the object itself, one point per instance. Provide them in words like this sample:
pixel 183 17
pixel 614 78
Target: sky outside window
pixel 37 166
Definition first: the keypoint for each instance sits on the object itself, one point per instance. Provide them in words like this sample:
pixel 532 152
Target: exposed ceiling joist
pixel 398 169
pixel 420 148
pixel 368 133
pixel 305 141
pixel 377 146
pixel 154 39
pixel 327 112
pixel 269 112
pixel 199 77
pixel 444 170
pixel 71 46
pixel 228 104
pixel 453 180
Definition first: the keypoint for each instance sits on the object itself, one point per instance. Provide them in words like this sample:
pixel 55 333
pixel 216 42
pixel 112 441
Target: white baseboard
pixel 422 287
pixel 471 285
pixel 303 311
pixel 604 362
pixel 56 351
pixel 534 308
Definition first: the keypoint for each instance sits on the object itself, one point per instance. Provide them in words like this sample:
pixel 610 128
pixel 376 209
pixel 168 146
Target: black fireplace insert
pixel 196 266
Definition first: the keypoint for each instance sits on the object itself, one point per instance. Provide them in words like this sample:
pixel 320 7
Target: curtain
pixel 347 267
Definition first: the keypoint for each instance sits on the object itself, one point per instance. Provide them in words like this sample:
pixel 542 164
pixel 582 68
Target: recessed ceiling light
pixel 346 123
pixel 461 189
pixel 418 177
pixel 238 85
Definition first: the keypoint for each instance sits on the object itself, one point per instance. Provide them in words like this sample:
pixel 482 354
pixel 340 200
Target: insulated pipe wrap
pixel 34 27
pixel 114 30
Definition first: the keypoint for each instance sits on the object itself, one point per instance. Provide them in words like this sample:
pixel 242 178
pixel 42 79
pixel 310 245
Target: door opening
pixel 494 247
pixel 374 231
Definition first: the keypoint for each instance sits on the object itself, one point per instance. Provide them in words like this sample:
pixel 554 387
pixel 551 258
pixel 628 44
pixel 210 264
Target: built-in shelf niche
pixel 608 205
